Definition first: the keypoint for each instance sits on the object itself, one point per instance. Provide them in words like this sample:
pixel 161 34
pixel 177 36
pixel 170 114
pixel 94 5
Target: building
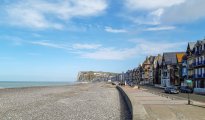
pixel 134 76
pixel 157 69
pixel 169 69
pixel 190 60
pixel 151 70
pixel 147 72
pixel 178 72
pixel 138 74
pixel 184 71
pixel 196 65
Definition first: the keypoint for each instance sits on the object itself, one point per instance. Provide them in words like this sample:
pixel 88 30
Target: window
pixel 204 46
pixel 200 71
pixel 165 74
pixel 195 61
pixel 195 71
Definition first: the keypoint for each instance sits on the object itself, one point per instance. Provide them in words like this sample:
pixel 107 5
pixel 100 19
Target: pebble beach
pixel 91 101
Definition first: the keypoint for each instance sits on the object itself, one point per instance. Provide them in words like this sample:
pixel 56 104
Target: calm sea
pixel 17 84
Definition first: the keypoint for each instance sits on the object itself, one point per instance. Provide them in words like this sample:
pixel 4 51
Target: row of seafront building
pixel 171 69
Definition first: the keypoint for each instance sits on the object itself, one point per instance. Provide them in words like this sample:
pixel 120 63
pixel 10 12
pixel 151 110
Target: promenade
pixel 148 106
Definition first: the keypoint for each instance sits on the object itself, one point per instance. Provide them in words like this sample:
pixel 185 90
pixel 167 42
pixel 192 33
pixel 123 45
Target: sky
pixel 51 40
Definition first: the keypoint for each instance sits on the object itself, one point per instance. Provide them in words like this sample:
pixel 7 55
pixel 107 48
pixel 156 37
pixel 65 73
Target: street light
pixel 189 82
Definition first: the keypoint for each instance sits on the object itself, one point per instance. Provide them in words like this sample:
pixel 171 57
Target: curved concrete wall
pixel 138 111
pixel 126 98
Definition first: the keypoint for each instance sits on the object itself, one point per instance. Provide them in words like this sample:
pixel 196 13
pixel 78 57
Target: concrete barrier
pixel 137 110
pixel 126 98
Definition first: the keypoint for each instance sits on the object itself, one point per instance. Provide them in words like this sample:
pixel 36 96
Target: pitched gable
pixel 170 57
pixel 180 57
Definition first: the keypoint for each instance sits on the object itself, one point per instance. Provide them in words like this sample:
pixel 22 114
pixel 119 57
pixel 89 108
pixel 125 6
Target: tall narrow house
pixel 190 60
pixel 157 69
pixel 178 72
pixel 147 66
pixel 199 64
pixel 169 69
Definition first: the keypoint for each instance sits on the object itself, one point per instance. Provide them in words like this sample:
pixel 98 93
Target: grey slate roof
pixel 151 59
pixel 159 60
pixel 191 45
pixel 170 57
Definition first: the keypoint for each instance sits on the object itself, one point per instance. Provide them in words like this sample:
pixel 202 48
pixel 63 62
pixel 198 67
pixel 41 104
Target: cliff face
pixel 90 76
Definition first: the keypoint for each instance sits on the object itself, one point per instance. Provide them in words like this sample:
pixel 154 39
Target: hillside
pixel 90 76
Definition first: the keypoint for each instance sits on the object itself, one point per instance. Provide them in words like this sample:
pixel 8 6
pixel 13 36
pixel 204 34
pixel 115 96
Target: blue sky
pixel 51 40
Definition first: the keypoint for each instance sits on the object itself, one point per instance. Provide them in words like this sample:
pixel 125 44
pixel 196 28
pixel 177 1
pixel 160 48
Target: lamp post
pixel 188 99
pixel 188 82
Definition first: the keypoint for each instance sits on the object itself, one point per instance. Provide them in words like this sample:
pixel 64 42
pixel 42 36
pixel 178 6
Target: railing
pixel 198 52
pixel 199 75
pixel 194 64
pixel 200 63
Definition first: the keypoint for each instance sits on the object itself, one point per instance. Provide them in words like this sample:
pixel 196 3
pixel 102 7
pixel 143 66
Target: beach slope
pixel 95 101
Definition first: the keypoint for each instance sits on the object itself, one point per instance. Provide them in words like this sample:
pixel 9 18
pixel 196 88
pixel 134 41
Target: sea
pixel 20 84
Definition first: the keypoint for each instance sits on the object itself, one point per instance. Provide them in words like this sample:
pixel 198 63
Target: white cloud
pixel 50 44
pixel 147 18
pixel 164 12
pixel 189 11
pixel 43 14
pixel 111 54
pixel 151 4
pixel 112 30
pixel 86 46
pixel 142 47
pixel 160 28
pixel 99 52
pixel 156 47
pixel 157 12
pixel 71 48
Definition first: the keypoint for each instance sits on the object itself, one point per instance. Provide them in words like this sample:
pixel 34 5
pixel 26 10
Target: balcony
pixel 199 75
pixel 198 64
pixel 198 52
pixel 194 64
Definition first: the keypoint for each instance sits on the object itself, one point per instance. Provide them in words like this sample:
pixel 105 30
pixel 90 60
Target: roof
pixel 157 60
pixel 180 57
pixel 170 57
pixel 191 45
pixel 151 59
pixel 147 61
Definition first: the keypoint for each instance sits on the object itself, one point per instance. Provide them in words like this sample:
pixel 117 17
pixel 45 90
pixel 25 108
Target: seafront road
pixel 149 106
pixel 93 101
pixel 195 97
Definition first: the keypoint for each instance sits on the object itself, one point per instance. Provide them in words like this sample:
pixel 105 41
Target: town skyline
pixel 53 40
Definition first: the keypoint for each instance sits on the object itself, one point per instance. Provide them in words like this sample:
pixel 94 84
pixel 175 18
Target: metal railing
pixel 199 75
pixel 200 63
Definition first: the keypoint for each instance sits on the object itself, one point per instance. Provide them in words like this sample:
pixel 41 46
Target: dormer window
pixel 204 47
pixel 197 48
pixel 201 47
